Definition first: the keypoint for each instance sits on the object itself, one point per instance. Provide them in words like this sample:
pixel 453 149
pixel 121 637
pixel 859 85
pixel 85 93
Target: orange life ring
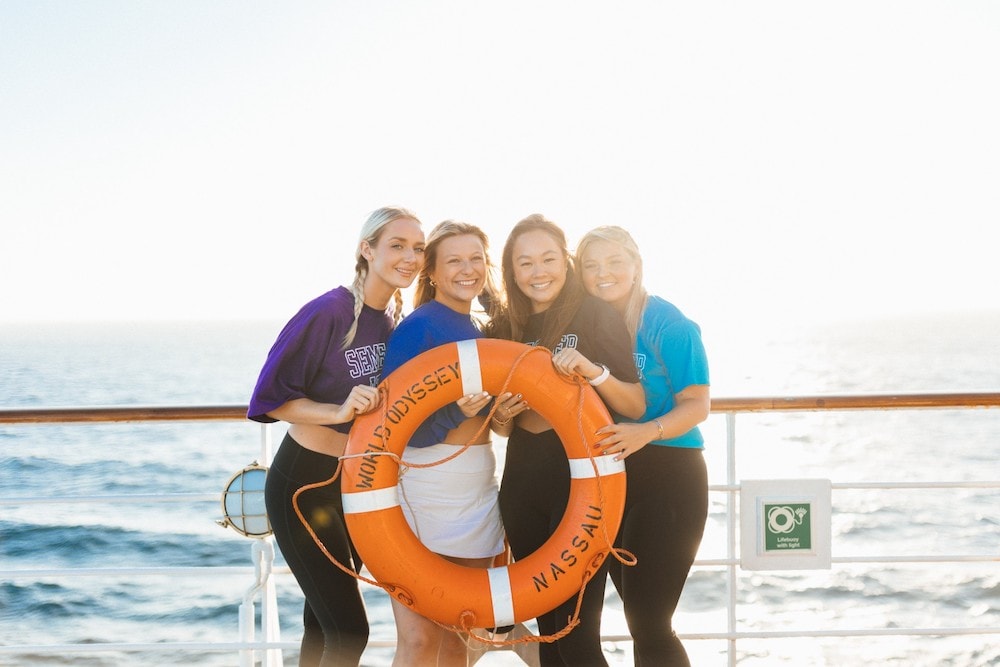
pixel 447 592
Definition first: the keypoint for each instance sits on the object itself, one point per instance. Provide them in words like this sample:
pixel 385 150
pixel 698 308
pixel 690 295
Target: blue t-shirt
pixel 430 325
pixel 670 357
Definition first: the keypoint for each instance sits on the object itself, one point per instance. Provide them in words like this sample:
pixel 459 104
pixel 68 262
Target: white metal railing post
pixel 269 606
pixel 270 625
pixel 262 553
pixel 248 620
pixel 731 535
pixel 265 445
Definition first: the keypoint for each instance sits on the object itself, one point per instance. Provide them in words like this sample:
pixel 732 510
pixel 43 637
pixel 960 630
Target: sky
pixel 775 160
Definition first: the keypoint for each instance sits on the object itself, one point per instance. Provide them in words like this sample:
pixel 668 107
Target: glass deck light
pixel 243 502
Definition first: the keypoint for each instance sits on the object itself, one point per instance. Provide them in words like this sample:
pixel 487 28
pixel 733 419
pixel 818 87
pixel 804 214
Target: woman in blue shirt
pixel 666 502
pixel 451 507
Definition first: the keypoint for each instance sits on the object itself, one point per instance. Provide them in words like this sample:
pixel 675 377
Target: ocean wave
pixel 83 546
pixel 51 475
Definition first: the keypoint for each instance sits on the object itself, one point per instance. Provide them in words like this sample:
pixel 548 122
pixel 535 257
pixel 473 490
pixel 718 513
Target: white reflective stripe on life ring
pixel 468 362
pixel 371 501
pixel 606 465
pixel 501 596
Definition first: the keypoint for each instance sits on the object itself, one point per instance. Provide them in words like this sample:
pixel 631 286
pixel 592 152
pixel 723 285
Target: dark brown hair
pixel 512 321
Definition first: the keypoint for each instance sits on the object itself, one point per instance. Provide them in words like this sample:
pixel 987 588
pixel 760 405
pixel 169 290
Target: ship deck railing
pixel 267 650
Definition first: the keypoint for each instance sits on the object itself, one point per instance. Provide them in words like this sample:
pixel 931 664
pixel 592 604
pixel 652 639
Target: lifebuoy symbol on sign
pixel 783 519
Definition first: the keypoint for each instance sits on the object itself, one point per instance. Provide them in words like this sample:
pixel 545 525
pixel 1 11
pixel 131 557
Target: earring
pixel 433 284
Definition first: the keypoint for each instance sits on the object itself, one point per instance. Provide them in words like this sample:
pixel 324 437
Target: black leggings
pixel 534 493
pixel 335 623
pixel 666 505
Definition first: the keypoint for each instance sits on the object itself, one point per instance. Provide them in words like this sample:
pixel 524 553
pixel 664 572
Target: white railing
pixel 267 651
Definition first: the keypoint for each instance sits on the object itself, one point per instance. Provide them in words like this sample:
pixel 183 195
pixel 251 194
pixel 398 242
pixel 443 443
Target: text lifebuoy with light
pixel 441 590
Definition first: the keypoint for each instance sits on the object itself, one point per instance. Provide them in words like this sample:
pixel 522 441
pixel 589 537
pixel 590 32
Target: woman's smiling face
pixel 607 272
pixel 459 271
pixel 398 255
pixel 539 268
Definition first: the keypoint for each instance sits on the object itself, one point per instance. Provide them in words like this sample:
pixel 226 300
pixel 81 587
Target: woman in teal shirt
pixel 666 502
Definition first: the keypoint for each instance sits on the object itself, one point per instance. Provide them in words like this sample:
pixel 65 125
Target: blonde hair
pixel 425 290
pixel 371 231
pixel 637 292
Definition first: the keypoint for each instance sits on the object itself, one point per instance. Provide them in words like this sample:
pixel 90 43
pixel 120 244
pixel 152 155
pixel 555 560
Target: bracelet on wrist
pixel 601 377
pixel 502 422
pixel 659 427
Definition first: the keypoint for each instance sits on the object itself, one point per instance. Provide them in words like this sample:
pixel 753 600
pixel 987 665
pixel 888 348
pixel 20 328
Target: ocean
pixel 216 363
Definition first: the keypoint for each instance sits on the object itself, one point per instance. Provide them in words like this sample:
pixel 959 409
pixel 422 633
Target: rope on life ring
pixel 464 597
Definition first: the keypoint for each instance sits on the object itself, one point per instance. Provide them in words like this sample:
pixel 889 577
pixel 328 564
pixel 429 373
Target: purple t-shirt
pixel 306 361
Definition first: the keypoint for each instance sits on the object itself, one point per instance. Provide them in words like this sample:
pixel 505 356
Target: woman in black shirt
pixel 546 305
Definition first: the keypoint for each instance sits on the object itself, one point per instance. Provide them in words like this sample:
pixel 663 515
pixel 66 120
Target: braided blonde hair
pixel 637 294
pixel 371 231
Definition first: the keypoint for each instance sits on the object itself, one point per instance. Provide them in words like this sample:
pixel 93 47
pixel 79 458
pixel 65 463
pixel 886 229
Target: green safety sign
pixel 787 527
pixel 785 524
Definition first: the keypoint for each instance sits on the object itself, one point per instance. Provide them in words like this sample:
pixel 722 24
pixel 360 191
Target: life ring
pixel 452 594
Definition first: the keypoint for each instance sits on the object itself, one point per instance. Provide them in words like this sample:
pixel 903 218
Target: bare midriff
pixel 320 439
pixel 466 431
pixel 333 443
pixel 533 422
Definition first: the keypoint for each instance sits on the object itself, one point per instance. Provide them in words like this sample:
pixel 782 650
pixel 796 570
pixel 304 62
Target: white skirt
pixel 453 507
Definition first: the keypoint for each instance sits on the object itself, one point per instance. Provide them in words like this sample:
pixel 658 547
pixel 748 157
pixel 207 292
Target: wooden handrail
pixel 744 404
pixel 857 402
pixel 123 414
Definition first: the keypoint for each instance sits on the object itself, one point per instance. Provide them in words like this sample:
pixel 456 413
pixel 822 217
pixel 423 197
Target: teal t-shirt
pixel 670 356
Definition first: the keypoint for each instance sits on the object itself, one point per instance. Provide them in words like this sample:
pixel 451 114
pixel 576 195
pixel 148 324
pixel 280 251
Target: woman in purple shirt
pixel 321 372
